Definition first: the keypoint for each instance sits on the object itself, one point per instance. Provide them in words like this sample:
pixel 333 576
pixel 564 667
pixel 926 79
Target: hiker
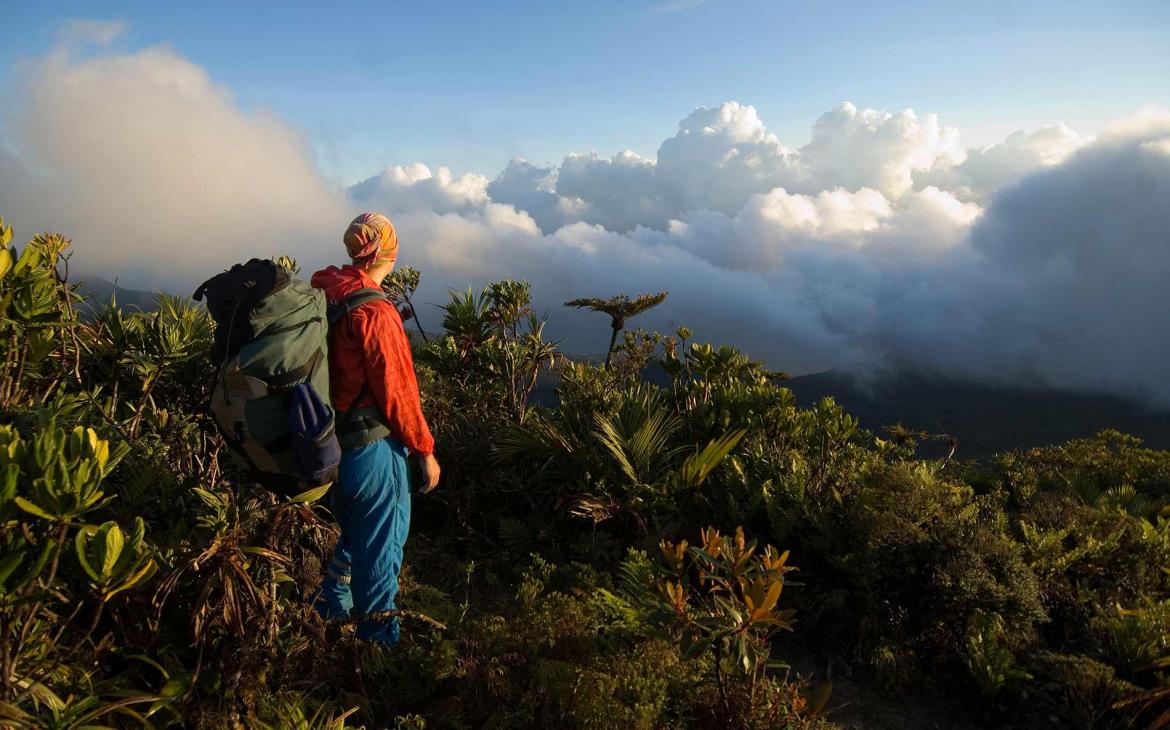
pixel 379 422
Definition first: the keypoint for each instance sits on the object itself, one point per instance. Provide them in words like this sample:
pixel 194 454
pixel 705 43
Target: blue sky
pixel 1014 250
pixel 471 84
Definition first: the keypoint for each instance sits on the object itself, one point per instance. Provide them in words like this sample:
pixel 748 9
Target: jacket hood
pixel 337 283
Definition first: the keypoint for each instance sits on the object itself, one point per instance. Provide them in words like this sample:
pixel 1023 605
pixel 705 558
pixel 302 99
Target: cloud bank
pixel 881 243
pixel 153 169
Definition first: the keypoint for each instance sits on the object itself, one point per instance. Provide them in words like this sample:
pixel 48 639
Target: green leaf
pixel 173 689
pixel 32 509
pixel 176 687
pixel 9 711
pixel 8 482
pixel 144 574
pixel 8 565
pixel 35 569
pixel 113 542
pixel 81 546
pixel 138 534
pixel 311 495
pixel 745 654
pixel 699 465
pixel 45 695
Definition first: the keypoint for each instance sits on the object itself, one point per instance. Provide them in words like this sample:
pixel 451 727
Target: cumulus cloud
pixel 155 170
pixel 1038 260
pixel 880 243
pixel 987 169
pixel 531 189
pixel 721 157
pixel 1077 256
pixel 415 187
pixel 856 148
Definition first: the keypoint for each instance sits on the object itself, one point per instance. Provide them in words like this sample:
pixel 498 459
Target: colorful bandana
pixel 371 237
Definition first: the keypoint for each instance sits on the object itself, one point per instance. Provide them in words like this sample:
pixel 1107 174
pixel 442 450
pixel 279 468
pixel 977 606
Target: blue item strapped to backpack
pixel 311 425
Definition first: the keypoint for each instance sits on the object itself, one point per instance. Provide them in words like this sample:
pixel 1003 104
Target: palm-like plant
pixel 619 309
pixel 465 318
pixel 640 456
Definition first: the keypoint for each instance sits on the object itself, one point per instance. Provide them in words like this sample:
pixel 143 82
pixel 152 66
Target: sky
pixel 470 85
pixel 975 190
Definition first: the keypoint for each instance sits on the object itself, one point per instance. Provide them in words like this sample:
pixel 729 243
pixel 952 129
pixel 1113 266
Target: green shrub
pixel 1081 691
pixel 1133 640
pixel 991 664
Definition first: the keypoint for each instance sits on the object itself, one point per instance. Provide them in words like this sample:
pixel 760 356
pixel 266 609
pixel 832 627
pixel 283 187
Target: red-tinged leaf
pixel 773 596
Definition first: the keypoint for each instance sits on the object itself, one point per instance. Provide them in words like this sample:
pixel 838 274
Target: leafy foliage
pixel 141 582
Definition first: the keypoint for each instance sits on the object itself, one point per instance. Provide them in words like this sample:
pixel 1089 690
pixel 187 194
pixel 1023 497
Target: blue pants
pixel 371 500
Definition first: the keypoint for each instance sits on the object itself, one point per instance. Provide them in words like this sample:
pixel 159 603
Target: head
pixel 372 244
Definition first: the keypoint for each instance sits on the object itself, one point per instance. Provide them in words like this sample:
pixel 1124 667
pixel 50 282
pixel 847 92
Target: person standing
pixel 379 422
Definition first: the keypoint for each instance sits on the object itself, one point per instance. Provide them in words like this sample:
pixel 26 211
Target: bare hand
pixel 431 471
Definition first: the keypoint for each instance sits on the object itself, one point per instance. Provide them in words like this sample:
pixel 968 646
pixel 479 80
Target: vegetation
pixel 619 309
pixel 622 560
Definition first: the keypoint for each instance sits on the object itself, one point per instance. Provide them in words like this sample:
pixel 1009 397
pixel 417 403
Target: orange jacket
pixel 370 346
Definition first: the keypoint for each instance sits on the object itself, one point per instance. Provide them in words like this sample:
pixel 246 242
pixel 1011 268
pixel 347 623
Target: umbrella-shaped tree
pixel 619 309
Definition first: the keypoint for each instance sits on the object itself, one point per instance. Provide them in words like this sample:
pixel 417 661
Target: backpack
pixel 270 397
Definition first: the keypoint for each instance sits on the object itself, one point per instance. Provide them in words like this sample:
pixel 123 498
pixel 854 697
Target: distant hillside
pixel 98 292
pixel 986 420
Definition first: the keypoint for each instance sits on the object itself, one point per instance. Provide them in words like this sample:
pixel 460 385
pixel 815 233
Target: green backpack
pixel 270 397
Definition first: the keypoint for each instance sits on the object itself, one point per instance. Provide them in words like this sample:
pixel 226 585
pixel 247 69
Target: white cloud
pixel 880 243
pixel 1148 122
pixel 722 156
pixel 153 168
pixel 987 169
pixel 869 148
pixel 1065 278
pixel 80 31
pixel 531 188
pixel 1055 277
pixel 415 187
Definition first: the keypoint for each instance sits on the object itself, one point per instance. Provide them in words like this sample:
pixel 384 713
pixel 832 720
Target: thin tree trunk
pixel 414 316
pixel 612 340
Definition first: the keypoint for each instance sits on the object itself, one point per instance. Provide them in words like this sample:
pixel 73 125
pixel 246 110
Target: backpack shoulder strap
pixel 339 310
pixel 359 425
